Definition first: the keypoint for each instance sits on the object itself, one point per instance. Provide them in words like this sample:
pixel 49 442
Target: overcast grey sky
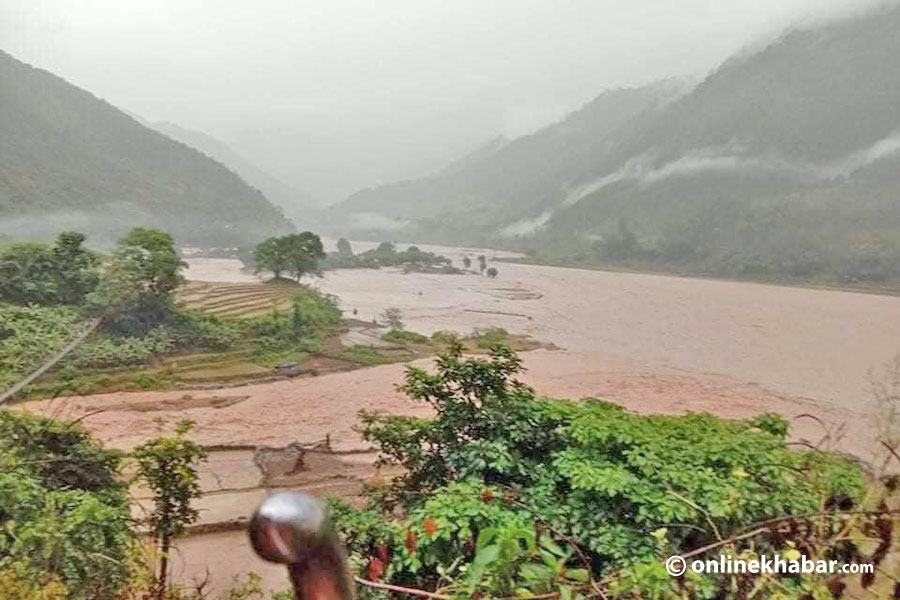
pixel 209 63
pixel 227 66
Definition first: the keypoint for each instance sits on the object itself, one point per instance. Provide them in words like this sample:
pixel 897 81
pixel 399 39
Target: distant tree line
pixel 727 240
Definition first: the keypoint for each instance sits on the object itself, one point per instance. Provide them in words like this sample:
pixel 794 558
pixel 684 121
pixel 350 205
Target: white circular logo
pixel 676 566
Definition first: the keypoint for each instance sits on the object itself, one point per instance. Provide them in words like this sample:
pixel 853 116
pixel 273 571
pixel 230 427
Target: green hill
pixel 782 163
pixel 298 205
pixel 69 160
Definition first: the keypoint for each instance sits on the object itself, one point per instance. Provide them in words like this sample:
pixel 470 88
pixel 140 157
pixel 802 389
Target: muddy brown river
pixel 794 341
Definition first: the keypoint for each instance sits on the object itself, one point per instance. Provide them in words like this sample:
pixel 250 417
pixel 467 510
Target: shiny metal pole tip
pixel 287 527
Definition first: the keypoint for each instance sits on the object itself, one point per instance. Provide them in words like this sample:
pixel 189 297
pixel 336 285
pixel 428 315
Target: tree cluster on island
pixel 386 254
pixel 297 254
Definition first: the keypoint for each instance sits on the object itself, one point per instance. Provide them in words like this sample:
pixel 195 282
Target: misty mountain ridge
pixel 512 178
pixel 69 160
pixel 298 205
pixel 776 155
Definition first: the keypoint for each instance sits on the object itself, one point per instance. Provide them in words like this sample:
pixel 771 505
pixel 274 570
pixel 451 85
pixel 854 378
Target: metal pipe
pixel 295 530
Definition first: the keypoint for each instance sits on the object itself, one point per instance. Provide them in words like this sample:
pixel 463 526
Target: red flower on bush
pixel 429 525
pixel 376 568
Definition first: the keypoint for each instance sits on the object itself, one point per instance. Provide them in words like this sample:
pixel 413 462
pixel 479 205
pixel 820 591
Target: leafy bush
pixel 505 493
pixel 23 329
pixel 445 337
pixel 196 329
pixel 112 351
pixel 28 335
pixel 35 273
pixel 403 337
pixel 487 338
pixel 312 317
pixel 64 518
pixel 363 354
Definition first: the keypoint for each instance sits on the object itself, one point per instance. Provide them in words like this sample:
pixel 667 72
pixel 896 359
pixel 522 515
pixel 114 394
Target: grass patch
pixel 364 355
pixel 401 336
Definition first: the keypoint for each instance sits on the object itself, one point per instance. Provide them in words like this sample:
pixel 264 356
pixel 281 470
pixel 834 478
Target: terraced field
pixel 236 300
pixel 353 345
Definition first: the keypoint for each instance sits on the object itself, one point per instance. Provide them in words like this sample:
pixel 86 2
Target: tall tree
pixel 138 281
pixel 75 267
pixel 344 248
pixel 159 262
pixel 304 251
pixel 297 253
pixel 271 255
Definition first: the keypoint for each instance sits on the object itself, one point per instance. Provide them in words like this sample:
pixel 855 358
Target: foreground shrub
pixel 504 492
pixel 64 520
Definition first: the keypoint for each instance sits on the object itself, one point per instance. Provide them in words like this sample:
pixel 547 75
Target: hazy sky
pixel 228 66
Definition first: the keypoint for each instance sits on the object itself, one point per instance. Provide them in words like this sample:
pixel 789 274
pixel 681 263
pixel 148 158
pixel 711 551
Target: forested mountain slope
pixel 505 180
pixel 784 162
pixel 69 160
pixel 298 205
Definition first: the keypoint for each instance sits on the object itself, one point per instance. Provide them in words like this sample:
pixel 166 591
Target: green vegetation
pixel 134 289
pixel 167 466
pixel 65 528
pixel 506 493
pixel 64 520
pixel 368 355
pixel 35 273
pixel 138 282
pixel 312 318
pixel 503 493
pixel 25 329
pixel 190 347
pixel 298 254
pixel 490 337
pixel 405 337
pixel 387 255
pixel 157 332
